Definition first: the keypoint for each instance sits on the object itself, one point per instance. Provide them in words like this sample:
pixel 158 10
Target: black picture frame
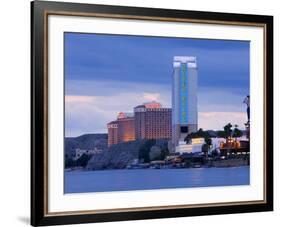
pixel 39 110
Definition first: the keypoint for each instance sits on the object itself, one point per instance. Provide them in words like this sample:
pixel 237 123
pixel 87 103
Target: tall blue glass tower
pixel 184 98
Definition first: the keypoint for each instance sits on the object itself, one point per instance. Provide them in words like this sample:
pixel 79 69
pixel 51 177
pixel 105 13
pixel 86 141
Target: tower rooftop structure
pixel 152 105
pixel 189 60
pixel 122 115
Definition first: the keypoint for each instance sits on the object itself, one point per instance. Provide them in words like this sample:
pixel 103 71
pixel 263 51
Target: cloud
pixel 140 58
pixel 79 99
pixel 90 114
pixel 90 105
pixel 217 120
pixel 87 114
pixel 151 96
pixel 218 100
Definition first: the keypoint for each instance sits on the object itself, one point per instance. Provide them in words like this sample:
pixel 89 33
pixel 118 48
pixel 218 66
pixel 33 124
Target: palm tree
pixel 228 130
pixel 227 134
pixel 236 133
pixel 199 134
pixel 188 138
pixel 207 145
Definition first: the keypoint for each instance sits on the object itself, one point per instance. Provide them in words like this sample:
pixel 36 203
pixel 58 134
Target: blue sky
pixel 106 74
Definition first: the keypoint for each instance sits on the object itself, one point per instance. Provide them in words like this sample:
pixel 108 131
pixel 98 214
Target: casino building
pixel 149 121
pixel 122 129
pixel 152 121
pixel 184 99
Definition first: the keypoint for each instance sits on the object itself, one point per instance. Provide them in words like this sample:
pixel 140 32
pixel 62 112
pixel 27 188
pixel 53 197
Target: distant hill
pixel 87 141
pixel 118 156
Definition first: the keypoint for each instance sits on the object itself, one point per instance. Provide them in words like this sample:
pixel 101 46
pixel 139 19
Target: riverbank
pixel 222 163
pixel 230 163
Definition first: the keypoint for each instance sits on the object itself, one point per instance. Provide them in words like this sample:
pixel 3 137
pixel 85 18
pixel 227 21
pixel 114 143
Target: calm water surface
pixel 141 179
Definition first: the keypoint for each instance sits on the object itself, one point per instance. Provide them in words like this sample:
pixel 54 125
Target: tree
pixel 236 134
pixel 205 150
pixel 199 134
pixel 188 138
pixel 69 162
pixel 155 153
pixel 228 133
pixel 228 130
pixel 83 160
pixel 158 153
pixel 145 150
pixel 164 153
pixel 215 153
pixel 221 134
pixel 207 145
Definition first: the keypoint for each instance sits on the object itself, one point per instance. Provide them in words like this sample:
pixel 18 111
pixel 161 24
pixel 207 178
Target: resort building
pixel 184 98
pixel 122 129
pixel 152 121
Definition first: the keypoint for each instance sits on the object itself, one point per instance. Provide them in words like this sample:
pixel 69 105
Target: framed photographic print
pixel 142 113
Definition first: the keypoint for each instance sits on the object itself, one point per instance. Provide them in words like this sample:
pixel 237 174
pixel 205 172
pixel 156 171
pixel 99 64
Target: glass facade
pixel 184 97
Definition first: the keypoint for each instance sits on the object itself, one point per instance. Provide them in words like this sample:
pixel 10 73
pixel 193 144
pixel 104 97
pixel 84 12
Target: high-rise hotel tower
pixel 184 98
pixel 152 121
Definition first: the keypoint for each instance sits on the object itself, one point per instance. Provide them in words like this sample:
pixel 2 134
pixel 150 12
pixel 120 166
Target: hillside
pixel 120 155
pixel 87 141
pixel 117 156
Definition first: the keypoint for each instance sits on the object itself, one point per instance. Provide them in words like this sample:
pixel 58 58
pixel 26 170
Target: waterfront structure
pixel 152 121
pixel 237 146
pixel 184 98
pixel 122 129
pixel 195 146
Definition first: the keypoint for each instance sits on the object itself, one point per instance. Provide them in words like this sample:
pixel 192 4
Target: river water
pixel 143 179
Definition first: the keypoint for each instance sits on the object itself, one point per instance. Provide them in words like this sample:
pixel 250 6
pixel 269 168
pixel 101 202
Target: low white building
pixel 193 147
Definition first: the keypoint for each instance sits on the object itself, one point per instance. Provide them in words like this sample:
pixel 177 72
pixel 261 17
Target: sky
pixel 106 74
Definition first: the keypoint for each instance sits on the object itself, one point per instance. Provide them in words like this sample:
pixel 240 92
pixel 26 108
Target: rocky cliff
pixel 117 156
pixel 87 141
pixel 120 155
